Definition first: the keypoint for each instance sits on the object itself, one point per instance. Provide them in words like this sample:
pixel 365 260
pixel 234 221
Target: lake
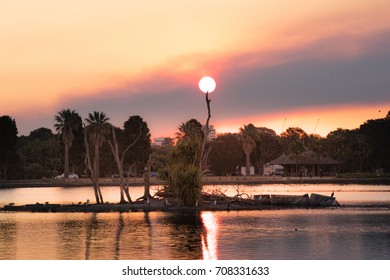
pixel 359 229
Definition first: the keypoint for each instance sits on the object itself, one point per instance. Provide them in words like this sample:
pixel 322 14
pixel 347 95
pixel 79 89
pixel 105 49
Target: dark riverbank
pixel 266 198
pixel 212 180
pixel 156 205
pixel 165 205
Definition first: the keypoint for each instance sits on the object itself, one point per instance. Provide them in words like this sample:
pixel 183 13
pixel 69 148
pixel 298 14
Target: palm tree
pixel 248 136
pixel 98 128
pixel 67 121
pixel 189 141
pixel 95 132
pixel 190 131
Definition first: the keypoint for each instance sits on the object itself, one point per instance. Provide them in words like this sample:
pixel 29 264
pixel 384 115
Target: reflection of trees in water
pixel 70 232
pixel 157 235
pixel 149 232
pixel 104 233
pixel 118 236
pixel 184 235
pixel 140 235
pixel 92 223
pixel 149 235
pixel 119 230
pixel 8 246
pixel 134 236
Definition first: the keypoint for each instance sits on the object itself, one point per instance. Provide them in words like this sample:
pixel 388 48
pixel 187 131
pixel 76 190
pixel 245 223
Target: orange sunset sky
pixel 319 65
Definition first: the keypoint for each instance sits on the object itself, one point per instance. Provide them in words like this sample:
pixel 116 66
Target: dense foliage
pixel 139 154
pixel 8 139
pixel 364 149
pixel 181 170
pixel 226 155
pixel 41 154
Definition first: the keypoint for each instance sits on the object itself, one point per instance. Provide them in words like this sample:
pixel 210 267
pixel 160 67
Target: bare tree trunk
pixel 203 155
pixel 94 178
pixel 124 190
pixel 115 151
pixel 96 159
pixel 96 192
pixel 134 168
pixel 99 191
pixel 205 158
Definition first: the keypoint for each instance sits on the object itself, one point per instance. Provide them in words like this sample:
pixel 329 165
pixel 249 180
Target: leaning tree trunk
pixel 97 191
pixel 93 176
pixel 119 163
pixel 96 159
pixel 115 151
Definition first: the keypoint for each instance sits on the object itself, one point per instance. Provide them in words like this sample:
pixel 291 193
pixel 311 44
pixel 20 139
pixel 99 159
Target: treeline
pixel 46 154
pixel 43 154
pixel 365 149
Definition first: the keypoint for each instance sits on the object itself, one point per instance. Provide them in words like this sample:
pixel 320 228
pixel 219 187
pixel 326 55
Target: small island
pixel 166 202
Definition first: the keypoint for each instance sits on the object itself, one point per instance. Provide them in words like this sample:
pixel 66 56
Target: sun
pixel 207 84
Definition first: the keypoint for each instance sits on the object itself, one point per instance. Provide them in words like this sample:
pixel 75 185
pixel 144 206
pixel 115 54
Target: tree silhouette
pixel 95 132
pixel 67 121
pixel 8 139
pixel 138 155
pixel 119 155
pixel 248 137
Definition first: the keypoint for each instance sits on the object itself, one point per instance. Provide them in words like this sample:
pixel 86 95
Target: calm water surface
pixel 360 229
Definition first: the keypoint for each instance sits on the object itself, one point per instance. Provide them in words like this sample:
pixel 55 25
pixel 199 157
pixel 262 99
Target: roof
pixel 307 157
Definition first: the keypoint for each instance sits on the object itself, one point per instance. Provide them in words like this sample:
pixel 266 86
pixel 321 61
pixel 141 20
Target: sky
pixel 318 65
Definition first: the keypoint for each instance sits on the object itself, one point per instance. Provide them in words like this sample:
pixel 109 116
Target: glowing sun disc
pixel 207 84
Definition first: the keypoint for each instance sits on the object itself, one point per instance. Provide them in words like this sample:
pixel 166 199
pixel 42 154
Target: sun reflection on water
pixel 209 236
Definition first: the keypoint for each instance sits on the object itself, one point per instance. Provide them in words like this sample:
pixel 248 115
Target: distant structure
pixel 162 141
pixel 212 132
pixel 158 141
pixel 308 163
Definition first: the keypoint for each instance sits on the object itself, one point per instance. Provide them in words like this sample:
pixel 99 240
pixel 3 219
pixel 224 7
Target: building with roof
pixel 306 164
pixel 212 132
